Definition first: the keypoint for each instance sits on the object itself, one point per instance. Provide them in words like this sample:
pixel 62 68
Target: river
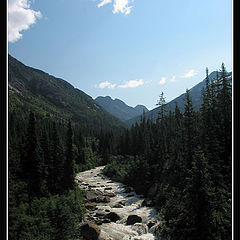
pixel 122 202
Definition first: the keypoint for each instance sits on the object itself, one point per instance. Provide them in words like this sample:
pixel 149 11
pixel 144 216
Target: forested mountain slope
pixel 51 97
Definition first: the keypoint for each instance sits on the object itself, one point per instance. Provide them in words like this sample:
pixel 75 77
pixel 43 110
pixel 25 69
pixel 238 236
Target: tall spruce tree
pixel 55 166
pixel 68 175
pixel 225 130
pixel 32 161
pixel 189 130
pixel 162 104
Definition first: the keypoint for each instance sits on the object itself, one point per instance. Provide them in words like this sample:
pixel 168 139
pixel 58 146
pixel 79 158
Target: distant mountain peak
pixel 119 108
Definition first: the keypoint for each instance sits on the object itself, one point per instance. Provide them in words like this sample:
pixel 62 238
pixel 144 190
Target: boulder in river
pixel 109 194
pixel 90 231
pixel 133 219
pixel 118 205
pixel 113 216
pixel 140 228
pixel 91 206
pixel 103 199
pixel 91 197
pixel 100 214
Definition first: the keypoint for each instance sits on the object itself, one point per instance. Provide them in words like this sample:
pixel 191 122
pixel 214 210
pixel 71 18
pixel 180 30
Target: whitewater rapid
pixel 124 203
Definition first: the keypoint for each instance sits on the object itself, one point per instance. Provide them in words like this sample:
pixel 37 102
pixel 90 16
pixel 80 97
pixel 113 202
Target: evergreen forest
pixel 181 163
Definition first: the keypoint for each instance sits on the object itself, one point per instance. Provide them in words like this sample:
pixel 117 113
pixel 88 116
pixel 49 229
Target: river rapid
pixel 122 202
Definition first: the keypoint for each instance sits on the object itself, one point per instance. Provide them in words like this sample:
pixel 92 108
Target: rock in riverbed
pixel 133 219
pixel 90 231
pixel 113 216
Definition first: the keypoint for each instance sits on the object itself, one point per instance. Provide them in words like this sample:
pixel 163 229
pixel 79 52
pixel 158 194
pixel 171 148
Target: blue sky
pixel 131 50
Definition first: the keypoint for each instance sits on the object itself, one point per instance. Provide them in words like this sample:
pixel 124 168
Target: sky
pixel 127 49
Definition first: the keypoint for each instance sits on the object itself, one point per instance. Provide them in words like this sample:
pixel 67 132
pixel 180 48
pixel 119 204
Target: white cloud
pixel 106 84
pixel 20 17
pixel 190 74
pixel 104 2
pixel 119 6
pixel 173 79
pixel 163 81
pixel 132 84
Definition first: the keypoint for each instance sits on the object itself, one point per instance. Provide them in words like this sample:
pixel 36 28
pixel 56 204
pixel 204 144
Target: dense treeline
pixel 182 162
pixel 44 156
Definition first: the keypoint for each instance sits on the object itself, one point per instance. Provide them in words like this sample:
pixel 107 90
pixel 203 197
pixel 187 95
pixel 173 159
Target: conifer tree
pixel 68 176
pixel 224 107
pixel 189 130
pixel 32 161
pixel 44 143
pixel 162 104
pixel 55 166
pixel 199 190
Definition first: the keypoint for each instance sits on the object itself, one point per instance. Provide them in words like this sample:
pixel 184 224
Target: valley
pixel 170 174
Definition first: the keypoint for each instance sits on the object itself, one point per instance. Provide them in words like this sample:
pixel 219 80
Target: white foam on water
pixel 93 179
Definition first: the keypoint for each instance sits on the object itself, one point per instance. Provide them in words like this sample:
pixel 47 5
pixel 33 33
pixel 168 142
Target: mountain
pixel 120 109
pixel 51 97
pixel 195 93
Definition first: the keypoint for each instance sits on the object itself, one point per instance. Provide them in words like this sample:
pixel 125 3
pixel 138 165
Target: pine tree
pixel 162 104
pixel 206 115
pixel 189 130
pixel 68 176
pixel 199 191
pixel 226 110
pixel 45 152
pixel 32 161
pixel 55 166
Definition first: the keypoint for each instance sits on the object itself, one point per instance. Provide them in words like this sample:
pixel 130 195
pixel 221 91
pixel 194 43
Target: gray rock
pixel 140 228
pixel 103 199
pixel 109 194
pixel 91 197
pixel 118 205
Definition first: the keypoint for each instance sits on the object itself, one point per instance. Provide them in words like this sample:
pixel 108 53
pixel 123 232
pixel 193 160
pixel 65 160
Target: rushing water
pixel 131 205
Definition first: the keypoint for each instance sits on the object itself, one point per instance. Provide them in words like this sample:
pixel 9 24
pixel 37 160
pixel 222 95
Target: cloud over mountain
pixel 132 83
pixel 106 85
pixel 190 74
